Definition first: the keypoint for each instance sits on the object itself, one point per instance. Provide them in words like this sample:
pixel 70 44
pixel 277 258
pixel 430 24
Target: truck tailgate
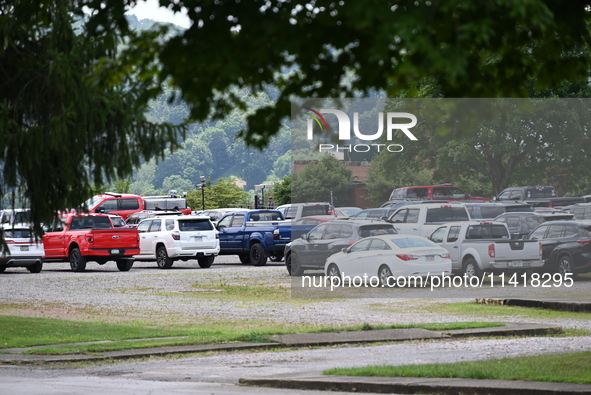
pixel 512 250
pixel 114 238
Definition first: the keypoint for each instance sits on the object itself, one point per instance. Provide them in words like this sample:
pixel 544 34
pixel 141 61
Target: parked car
pixel 299 210
pixel 306 224
pixel 423 219
pixel 10 217
pixel 522 224
pixel 134 219
pixel 216 214
pixel 491 210
pixel 347 211
pixel 254 235
pixel 310 251
pixel 374 213
pixel 581 211
pixel 432 192
pixel 566 246
pixel 170 238
pixel 80 238
pixel 478 247
pixel 538 196
pixel 389 257
pixel 23 249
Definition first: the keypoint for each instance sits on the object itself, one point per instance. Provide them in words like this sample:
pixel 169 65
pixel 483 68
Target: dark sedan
pixel 311 250
pixel 566 246
pixel 522 224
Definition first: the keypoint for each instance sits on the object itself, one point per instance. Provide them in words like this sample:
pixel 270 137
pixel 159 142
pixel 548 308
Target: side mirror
pixel 100 210
pixel 494 199
pixel 345 250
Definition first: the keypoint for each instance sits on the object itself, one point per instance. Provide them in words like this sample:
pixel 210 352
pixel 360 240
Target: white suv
pixel 169 238
pixel 24 250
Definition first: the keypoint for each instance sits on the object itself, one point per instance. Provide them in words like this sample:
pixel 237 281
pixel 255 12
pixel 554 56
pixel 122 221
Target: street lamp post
pixel 202 192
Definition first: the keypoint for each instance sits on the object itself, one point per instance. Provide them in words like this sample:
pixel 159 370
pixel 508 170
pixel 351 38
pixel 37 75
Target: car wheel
pixel 2 268
pixel 471 269
pixel 292 262
pixel 276 257
pixel 565 266
pixel 36 268
pixel 162 259
pixel 334 274
pixel 124 264
pixel 257 255
pixel 244 258
pixel 206 261
pixel 385 276
pixel 77 261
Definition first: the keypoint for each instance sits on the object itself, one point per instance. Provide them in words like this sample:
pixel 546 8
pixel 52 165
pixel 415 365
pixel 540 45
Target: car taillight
pixel 90 239
pixel 407 257
pixel 176 235
pixel 10 242
pixel 217 235
pixel 351 242
pixel 275 234
pixel 445 256
pixel 584 241
pixel 491 250
pixel 550 204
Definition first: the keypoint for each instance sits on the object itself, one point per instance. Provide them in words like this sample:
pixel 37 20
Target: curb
pixel 413 385
pixel 576 306
pixel 293 340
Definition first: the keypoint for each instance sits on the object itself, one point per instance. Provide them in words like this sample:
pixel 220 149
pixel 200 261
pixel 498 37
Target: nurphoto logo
pixel 392 120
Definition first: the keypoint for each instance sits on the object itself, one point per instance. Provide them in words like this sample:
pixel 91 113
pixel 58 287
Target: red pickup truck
pixel 125 204
pixel 79 238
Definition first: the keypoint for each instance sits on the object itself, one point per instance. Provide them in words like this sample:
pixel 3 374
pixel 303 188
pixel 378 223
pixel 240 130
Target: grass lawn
pixel 563 368
pixel 20 332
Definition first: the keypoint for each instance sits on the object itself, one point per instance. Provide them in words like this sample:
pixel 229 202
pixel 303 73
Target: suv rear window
pixel 317 209
pixel 188 225
pixel 447 214
pixel 376 230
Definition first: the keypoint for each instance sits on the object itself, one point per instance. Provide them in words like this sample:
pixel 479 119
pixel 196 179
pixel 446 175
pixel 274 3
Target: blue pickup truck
pixel 254 235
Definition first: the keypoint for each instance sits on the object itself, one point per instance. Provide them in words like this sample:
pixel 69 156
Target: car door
pixel 53 239
pixel 308 248
pixel 222 226
pixel 235 233
pixel 146 241
pixel 548 245
pixel 356 261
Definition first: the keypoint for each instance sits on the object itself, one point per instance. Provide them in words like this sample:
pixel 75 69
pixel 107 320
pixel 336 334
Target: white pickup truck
pixel 423 219
pixel 478 247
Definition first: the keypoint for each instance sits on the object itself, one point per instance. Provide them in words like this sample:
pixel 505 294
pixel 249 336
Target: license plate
pixel 114 251
pixel 516 263
pixel 430 258
pixel 24 248
pixel 198 238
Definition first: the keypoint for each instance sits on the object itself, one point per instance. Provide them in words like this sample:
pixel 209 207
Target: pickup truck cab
pixel 538 196
pixel 79 238
pixel 125 204
pixel 254 235
pixel 423 219
pixel 478 247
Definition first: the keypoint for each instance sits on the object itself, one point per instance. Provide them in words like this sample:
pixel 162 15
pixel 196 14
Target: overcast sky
pixel 149 10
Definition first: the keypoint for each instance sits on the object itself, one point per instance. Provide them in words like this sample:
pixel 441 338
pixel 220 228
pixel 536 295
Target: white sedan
pixel 388 258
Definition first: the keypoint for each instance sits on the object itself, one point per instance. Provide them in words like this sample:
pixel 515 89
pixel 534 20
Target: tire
pixel 36 268
pixel 276 257
pixel 162 259
pixel 334 274
pixel 257 255
pixel 2 268
pixel 292 263
pixel 77 261
pixel 471 269
pixel 384 273
pixel 206 261
pixel 244 258
pixel 564 266
pixel 124 264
